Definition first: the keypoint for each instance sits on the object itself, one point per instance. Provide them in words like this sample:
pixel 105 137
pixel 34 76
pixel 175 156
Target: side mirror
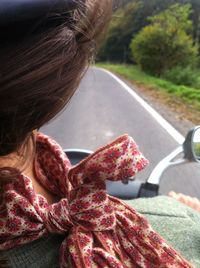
pixel 191 145
pixel 196 144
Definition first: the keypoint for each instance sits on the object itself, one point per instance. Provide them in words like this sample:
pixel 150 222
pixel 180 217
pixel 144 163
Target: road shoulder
pixel 179 115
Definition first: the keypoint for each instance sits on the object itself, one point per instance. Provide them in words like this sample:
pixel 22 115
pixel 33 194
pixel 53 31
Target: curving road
pixel 101 110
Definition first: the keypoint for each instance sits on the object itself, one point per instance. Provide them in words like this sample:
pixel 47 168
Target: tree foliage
pixel 166 42
pixel 122 27
pixel 131 17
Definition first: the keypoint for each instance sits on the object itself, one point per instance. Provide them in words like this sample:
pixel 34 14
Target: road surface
pixel 101 110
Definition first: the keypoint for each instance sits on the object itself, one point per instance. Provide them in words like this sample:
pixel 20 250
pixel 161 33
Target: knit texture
pixel 42 253
pixel 177 223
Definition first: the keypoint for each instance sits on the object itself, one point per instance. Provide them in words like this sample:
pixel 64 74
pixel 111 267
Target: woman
pixel 52 214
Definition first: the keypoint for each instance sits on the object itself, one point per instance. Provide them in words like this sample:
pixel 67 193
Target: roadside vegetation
pixel 189 95
pixel 157 44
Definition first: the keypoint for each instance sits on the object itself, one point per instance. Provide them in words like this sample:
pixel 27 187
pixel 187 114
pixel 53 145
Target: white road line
pixel 166 125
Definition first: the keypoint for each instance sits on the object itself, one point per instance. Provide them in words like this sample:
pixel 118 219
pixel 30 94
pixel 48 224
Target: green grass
pixel 189 95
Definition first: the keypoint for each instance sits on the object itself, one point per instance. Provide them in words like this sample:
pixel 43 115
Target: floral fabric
pixel 101 231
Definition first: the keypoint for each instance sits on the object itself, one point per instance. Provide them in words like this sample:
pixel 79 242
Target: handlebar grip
pixel 148 190
pixel 123 191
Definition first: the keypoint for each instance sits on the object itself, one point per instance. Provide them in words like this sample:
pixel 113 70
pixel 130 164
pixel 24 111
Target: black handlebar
pixel 130 189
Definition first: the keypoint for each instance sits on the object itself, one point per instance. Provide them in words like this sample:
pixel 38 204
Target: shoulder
pixel 177 223
pixel 40 253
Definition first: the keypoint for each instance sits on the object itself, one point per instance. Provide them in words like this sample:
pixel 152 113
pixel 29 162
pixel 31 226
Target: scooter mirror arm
pixel 168 161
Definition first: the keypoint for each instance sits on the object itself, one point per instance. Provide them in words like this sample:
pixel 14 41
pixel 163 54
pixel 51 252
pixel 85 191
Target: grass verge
pixel 190 96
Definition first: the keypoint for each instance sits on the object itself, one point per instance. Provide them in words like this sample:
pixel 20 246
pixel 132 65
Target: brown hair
pixel 39 74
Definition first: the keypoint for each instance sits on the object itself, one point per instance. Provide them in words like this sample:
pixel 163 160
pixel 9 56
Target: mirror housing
pixel 188 145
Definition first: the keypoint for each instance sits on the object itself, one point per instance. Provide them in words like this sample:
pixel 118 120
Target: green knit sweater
pixel 178 224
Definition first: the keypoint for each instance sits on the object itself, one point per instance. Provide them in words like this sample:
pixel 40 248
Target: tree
pixel 166 42
pixel 195 17
pixel 131 17
pixel 116 45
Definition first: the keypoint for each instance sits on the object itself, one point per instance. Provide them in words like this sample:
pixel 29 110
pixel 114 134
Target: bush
pixel 187 76
pixel 197 149
pixel 166 42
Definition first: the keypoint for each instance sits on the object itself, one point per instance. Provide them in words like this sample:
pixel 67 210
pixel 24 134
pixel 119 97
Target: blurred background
pixel 154 47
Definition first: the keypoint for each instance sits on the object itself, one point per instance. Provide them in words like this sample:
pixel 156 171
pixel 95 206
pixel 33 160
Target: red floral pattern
pixel 101 231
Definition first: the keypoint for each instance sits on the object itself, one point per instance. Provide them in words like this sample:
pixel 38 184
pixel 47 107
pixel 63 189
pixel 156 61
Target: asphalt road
pixel 101 110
